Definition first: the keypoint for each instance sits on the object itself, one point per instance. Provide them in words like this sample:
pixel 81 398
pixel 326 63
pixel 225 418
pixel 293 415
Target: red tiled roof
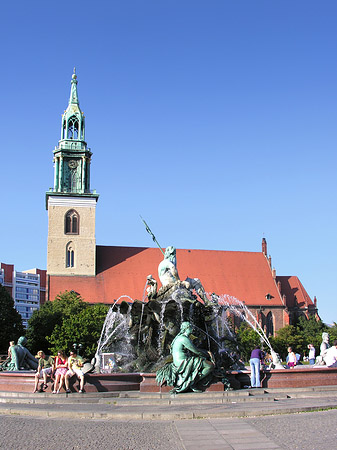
pixel 123 271
pixel 295 293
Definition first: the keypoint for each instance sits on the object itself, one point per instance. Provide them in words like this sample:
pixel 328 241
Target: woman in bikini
pixel 61 364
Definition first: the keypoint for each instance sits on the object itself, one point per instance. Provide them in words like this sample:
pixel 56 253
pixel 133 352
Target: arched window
pixel 70 255
pixel 72 128
pixel 71 225
pixel 269 324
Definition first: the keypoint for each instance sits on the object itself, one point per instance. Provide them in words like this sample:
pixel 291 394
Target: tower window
pixel 72 222
pixel 70 255
pixel 73 128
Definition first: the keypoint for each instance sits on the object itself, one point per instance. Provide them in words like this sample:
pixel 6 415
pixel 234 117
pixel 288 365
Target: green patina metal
pixel 72 157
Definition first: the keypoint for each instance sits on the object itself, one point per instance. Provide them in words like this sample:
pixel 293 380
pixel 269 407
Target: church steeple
pixel 72 157
pixel 70 203
pixel 73 124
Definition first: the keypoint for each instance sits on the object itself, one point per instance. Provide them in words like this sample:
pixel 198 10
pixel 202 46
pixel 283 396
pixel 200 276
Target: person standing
pixel 292 360
pixel 11 344
pixel 311 354
pixel 256 358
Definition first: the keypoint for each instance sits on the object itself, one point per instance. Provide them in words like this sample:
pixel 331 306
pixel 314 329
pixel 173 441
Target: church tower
pixel 70 203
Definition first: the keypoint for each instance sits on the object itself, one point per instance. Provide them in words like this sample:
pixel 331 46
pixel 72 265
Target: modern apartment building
pixel 27 288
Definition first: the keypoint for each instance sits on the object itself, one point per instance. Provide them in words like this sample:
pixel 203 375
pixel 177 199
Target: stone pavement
pixel 289 431
pixel 238 420
pixel 214 434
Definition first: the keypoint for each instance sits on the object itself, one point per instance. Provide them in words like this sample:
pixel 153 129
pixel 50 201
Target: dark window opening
pixel 70 258
pixel 73 128
pixel 72 222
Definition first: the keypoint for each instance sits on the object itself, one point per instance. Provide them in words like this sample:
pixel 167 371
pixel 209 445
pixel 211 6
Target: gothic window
pixel 70 255
pixel 73 128
pixel 72 222
pixel 269 324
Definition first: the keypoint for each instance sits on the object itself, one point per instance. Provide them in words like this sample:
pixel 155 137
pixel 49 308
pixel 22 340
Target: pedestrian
pixel 312 352
pixel 11 344
pixel 256 358
pixel 292 360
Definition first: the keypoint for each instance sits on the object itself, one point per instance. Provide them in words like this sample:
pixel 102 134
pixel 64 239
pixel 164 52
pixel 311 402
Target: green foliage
pixel 50 315
pixel 333 333
pixel 306 331
pixel 11 327
pixel 65 321
pixel 247 340
pixel 83 328
pixel 285 337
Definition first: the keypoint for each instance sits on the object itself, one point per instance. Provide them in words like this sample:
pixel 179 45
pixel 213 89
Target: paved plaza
pixel 309 431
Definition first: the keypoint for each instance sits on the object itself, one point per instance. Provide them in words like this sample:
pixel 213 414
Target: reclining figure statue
pixel 21 358
pixel 190 368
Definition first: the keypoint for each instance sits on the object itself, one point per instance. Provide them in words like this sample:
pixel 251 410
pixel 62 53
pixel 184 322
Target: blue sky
pixel 216 121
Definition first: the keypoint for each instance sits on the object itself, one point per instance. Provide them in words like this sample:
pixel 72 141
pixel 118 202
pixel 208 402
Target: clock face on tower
pixel 72 164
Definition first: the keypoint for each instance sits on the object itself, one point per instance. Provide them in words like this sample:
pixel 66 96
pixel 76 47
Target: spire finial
pixel 73 92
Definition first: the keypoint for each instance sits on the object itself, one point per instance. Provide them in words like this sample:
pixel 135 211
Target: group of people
pixel 60 369
pixel 329 356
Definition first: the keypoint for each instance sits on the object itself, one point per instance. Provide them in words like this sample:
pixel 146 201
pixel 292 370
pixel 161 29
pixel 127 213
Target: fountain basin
pixel 23 381
pixel 301 376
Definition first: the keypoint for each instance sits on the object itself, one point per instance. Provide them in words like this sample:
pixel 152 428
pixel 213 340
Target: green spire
pixel 73 124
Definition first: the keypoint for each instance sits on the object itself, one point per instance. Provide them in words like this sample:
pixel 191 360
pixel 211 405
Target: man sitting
pixel 75 364
pixel 44 370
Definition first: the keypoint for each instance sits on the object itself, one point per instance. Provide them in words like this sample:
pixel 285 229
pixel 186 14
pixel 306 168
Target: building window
pixel 269 324
pixel 71 222
pixel 70 256
pixel 72 128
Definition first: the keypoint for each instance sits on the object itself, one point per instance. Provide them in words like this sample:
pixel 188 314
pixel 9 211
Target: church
pixel 105 274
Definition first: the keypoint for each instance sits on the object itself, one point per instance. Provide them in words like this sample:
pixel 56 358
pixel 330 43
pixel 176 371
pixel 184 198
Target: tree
pixel 247 339
pixel 84 328
pixel 11 327
pixel 285 337
pixel 50 315
pixel 311 331
pixel 332 332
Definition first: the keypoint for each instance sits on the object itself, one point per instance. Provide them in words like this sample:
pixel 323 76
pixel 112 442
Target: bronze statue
pixel 21 358
pixel 190 368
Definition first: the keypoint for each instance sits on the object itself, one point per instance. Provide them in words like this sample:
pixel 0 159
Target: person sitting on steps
pixel 61 368
pixel 44 369
pixel 75 364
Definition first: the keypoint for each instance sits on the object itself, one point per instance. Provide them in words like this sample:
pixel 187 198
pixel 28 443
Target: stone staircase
pixel 137 405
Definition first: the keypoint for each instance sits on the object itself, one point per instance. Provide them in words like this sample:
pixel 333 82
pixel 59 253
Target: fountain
pixel 137 335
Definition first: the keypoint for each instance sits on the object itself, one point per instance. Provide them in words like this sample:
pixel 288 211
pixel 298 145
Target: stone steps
pixel 130 405
pixel 133 398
